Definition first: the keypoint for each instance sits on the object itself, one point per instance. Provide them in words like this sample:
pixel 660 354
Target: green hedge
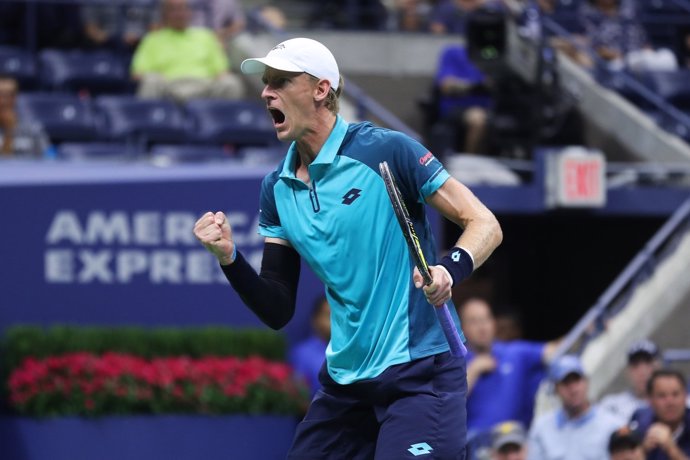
pixel 20 342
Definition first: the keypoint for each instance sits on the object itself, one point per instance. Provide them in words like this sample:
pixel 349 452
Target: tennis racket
pixel 457 348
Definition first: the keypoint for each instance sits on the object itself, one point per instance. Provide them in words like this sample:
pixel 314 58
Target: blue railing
pixel 616 297
pixel 679 120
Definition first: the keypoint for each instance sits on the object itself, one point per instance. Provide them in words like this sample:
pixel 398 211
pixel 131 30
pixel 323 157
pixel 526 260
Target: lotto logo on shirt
pixel 426 159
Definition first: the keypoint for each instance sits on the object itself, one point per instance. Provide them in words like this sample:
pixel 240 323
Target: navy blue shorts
pixel 413 410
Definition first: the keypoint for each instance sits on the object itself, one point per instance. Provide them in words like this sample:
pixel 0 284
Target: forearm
pixel 480 237
pixel 481 231
pixel 473 375
pixel 674 452
pixel 272 294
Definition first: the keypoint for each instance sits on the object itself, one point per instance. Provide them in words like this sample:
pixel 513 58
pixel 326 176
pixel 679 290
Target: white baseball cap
pixel 298 55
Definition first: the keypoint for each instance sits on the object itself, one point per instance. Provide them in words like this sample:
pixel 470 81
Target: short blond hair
pixel 333 97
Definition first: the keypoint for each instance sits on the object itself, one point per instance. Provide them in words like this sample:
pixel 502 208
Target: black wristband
pixel 459 264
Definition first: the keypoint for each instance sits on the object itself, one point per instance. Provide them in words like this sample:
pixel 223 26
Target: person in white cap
pixel 643 360
pixel 578 430
pixel 389 387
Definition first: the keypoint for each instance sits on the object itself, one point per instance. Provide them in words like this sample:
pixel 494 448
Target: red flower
pixel 83 383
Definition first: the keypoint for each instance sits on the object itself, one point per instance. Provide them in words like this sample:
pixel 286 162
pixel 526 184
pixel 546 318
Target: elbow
pixel 278 322
pixel 497 232
pixel 492 230
pixel 276 325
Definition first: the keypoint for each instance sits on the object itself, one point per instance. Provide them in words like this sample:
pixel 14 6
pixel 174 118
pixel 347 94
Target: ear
pixel 321 90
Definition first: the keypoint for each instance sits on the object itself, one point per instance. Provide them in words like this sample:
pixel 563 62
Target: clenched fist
pixel 214 232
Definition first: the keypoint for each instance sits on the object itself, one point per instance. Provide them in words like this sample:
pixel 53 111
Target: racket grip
pixel 457 348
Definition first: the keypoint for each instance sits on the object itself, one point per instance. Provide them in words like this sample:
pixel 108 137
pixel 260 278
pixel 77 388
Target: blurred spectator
pixel 411 16
pixel 665 424
pixel 268 16
pixel 307 357
pixel 576 431
pixel 547 7
pixel 508 441
pixel 450 16
pixel 463 98
pixel 182 62
pixel 119 27
pixel 225 17
pixel 643 359
pixel 17 138
pixel 502 377
pixel 625 444
pixel 615 35
pixel 348 14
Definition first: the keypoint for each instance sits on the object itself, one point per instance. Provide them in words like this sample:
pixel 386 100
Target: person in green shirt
pixel 182 62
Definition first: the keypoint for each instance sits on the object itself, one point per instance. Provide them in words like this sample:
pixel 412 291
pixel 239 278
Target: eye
pixel 276 82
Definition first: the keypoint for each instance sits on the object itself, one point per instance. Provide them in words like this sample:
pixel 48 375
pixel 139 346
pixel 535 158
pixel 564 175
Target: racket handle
pixel 457 348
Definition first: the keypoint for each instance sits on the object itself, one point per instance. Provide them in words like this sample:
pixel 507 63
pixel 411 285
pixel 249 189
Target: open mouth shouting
pixel 278 117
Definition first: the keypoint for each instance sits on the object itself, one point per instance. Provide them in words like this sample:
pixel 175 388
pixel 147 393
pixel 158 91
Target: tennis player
pixel 390 387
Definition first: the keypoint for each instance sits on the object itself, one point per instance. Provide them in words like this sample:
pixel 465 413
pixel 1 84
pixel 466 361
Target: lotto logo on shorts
pixel 421 448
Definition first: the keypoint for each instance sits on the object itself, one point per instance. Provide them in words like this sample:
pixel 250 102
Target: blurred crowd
pixel 649 419
pixel 178 50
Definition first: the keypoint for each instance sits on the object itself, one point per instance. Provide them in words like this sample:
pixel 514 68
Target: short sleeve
pixel 417 171
pixel 531 352
pixel 219 62
pixel 143 61
pixel 269 220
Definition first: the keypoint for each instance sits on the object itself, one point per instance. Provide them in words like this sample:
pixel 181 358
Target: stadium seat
pixel 127 118
pixel 170 154
pixel 74 151
pixel 20 65
pixel 238 123
pixel 674 87
pixel 95 72
pixel 64 117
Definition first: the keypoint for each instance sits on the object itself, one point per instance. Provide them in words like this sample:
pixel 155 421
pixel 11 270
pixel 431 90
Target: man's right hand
pixel 214 232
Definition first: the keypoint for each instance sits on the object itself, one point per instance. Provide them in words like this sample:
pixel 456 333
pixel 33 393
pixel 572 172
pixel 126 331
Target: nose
pixel 267 93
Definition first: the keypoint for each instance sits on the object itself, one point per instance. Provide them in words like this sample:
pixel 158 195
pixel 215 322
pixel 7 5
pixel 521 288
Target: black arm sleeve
pixel 272 294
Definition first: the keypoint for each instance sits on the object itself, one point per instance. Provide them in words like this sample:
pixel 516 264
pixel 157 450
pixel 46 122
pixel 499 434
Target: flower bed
pixel 68 370
pixel 87 384
pixel 114 393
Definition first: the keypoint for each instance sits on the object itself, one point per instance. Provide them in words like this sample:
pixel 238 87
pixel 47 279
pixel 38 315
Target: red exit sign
pixel 576 177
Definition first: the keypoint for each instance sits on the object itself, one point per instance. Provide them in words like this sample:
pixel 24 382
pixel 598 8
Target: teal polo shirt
pixel 342 224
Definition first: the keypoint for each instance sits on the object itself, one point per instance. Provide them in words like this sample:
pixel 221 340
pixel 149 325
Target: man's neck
pixel 481 349
pixel 576 412
pixel 309 146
